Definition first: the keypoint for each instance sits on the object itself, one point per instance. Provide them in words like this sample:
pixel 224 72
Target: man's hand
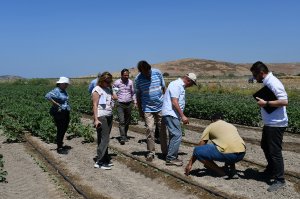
pixel 187 169
pixel 185 120
pixel 261 102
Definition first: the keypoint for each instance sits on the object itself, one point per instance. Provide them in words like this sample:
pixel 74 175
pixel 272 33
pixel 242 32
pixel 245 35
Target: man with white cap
pixel 172 112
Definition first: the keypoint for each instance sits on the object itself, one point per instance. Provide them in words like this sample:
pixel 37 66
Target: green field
pixel 24 108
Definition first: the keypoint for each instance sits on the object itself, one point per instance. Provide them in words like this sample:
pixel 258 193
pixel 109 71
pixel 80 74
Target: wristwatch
pixel 267 104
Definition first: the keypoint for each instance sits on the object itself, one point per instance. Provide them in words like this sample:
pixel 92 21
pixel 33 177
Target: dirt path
pixel 25 178
pixel 132 179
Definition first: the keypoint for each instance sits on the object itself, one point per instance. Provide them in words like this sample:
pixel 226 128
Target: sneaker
pixel 110 164
pixel 102 166
pixel 276 185
pixel 150 157
pixel 96 165
pixel 175 162
pixel 105 167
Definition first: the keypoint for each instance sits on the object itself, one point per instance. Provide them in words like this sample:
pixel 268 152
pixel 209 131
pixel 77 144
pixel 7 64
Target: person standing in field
pixel 60 110
pixel 102 97
pixel 93 83
pixel 126 99
pixel 275 124
pixel 172 112
pixel 227 146
pixel 150 87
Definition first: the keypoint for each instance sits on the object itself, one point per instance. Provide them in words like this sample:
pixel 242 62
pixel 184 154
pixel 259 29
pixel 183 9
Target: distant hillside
pixel 202 67
pixel 10 77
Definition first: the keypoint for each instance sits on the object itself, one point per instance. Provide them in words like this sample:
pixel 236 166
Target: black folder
pixel 266 94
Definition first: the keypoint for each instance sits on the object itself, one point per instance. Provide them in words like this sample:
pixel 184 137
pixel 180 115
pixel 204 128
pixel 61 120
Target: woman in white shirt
pixel 102 96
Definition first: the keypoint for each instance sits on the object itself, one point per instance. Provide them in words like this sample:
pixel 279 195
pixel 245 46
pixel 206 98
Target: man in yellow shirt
pixel 227 146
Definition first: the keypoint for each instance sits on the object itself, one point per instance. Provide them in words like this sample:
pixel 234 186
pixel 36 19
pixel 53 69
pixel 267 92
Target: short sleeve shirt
pixel 225 136
pixel 105 101
pixel 175 90
pixel 150 90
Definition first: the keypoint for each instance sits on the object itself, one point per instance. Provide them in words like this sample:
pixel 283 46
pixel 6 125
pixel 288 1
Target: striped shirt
pixel 150 91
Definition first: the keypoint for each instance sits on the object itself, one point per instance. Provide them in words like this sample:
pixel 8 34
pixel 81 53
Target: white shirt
pixel 175 90
pixel 277 118
pixel 105 101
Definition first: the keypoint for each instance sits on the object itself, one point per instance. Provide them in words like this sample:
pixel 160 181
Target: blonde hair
pixel 103 77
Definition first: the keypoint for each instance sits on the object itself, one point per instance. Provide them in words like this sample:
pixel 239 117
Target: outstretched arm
pixel 193 159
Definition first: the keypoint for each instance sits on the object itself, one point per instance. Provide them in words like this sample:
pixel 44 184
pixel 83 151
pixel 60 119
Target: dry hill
pixel 204 67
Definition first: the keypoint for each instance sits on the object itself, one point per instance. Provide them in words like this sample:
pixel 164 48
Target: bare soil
pixel 130 178
pixel 26 177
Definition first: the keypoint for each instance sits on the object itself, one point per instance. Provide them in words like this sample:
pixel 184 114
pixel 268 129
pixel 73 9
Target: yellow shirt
pixel 225 136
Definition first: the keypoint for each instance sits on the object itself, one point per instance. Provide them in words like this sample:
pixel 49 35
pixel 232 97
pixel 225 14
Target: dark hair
pixel 143 64
pixel 217 116
pixel 124 70
pixel 258 67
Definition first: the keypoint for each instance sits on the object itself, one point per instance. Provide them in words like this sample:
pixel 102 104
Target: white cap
pixel 63 80
pixel 193 77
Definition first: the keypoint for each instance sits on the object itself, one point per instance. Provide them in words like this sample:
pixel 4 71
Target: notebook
pixel 266 94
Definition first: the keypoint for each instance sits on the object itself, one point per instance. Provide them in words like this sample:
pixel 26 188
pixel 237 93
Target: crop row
pixel 3 173
pixel 237 109
pixel 24 108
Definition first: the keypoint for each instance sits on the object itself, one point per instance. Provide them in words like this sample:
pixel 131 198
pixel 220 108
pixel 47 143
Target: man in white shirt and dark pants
pixel 275 124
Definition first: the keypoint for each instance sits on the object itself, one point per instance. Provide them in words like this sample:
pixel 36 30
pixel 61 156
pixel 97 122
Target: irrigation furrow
pixel 129 160
pixel 294 176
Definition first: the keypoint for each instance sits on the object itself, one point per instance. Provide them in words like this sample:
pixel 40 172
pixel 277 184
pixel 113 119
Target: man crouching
pixel 227 146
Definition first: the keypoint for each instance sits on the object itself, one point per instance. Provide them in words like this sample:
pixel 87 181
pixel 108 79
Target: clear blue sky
pixel 52 38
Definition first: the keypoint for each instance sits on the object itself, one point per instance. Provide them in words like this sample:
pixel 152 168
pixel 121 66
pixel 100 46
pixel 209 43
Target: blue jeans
pixel 210 152
pixel 175 136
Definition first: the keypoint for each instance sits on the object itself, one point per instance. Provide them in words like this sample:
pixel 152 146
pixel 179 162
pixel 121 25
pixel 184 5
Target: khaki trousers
pixel 151 120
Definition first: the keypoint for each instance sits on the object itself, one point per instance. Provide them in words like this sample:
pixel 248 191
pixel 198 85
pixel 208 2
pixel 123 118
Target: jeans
pixel 124 114
pixel 103 133
pixel 152 119
pixel 61 120
pixel 175 136
pixel 271 144
pixel 210 152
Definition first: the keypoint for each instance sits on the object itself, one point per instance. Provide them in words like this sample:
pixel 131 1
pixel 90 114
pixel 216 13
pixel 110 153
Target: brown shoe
pixel 175 162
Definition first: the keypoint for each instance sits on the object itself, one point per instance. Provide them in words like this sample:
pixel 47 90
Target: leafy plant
pixel 3 173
